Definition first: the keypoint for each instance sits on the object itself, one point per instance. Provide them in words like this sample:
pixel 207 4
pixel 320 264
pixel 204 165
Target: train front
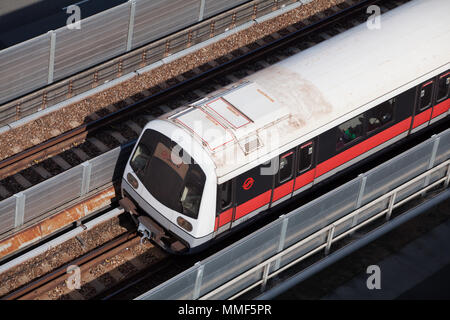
pixel 169 187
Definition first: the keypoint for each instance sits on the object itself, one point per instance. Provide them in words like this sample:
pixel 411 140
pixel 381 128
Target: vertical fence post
pixel 131 24
pixel 447 181
pixel 198 280
pixel 18 110
pixel 431 162
pixel 329 239
pixel 86 177
pixel 391 205
pixel 264 276
pixel 359 200
pixel 202 10
pixel 282 240
pixel 276 5
pixel 211 29
pixel 51 61
pixel 255 11
pixel 20 209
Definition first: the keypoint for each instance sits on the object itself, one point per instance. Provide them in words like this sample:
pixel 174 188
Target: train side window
pixel 443 87
pixel 305 157
pixel 425 95
pixel 286 166
pixel 380 115
pixel 225 193
pixel 350 131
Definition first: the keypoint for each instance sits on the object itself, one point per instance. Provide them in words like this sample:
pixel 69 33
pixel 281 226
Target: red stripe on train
pixel 441 108
pixel 225 217
pixel 253 204
pixel 304 179
pixel 282 190
pixel 363 147
pixel 421 118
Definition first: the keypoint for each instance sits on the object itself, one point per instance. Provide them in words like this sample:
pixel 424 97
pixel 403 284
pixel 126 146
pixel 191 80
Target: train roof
pixel 298 98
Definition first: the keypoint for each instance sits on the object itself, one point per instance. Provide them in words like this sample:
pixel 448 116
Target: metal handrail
pixel 330 231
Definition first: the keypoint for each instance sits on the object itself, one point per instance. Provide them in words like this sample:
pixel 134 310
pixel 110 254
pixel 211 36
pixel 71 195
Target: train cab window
pixel 286 166
pixel 443 87
pixel 157 162
pixel 380 115
pixel 225 194
pixel 140 160
pixel 305 157
pixel 350 131
pixel 425 95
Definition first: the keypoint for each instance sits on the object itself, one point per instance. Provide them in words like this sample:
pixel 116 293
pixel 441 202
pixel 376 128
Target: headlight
pixel 132 180
pixel 184 224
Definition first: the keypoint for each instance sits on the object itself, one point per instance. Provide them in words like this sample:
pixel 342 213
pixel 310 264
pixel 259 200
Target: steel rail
pixel 56 274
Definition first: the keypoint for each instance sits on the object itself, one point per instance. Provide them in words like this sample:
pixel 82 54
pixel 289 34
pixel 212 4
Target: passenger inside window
pixel 380 115
pixel 350 131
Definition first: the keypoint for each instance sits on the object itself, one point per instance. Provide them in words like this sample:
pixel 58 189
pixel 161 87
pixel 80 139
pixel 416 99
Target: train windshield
pixel 169 173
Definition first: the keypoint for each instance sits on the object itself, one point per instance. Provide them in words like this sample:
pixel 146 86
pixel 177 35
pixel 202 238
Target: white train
pixel 203 169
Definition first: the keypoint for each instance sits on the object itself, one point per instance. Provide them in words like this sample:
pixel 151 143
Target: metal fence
pixel 314 226
pixel 63 188
pixel 59 54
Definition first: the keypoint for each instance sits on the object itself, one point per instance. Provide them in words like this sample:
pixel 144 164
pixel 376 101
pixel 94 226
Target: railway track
pixel 95 272
pixel 51 281
pixel 122 122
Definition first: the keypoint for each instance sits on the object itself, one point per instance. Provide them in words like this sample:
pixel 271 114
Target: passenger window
pixel 443 86
pixel 225 194
pixel 286 166
pixel 425 95
pixel 350 131
pixel 380 115
pixel 305 157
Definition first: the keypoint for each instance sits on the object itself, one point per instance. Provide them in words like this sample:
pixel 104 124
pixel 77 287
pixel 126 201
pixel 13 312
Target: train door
pixel 284 179
pixel 423 105
pixel 253 193
pixel 225 206
pixel 442 104
pixel 305 167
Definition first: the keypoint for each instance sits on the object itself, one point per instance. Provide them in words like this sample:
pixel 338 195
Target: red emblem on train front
pixel 248 183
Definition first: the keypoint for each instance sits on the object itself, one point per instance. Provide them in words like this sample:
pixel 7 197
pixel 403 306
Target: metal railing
pixel 328 233
pixel 54 56
pixel 63 188
pixel 313 227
